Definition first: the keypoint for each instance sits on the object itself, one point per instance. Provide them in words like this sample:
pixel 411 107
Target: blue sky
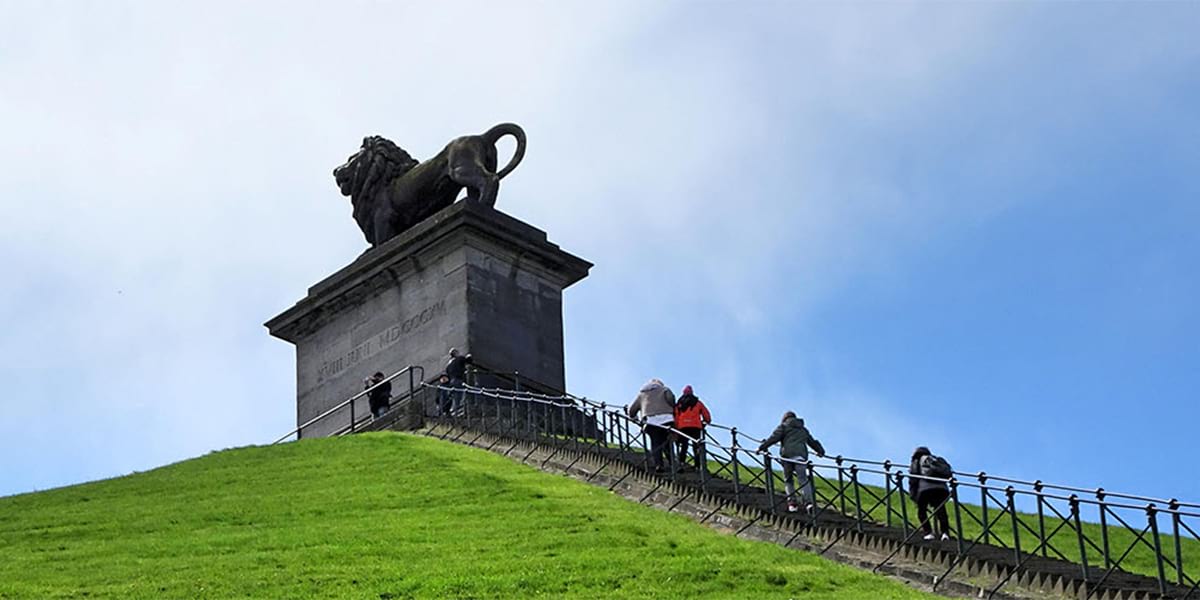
pixel 968 226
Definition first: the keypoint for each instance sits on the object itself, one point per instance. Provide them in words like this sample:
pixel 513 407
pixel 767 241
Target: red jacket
pixel 695 416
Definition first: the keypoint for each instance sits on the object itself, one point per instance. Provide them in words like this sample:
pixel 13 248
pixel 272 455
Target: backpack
pixel 936 466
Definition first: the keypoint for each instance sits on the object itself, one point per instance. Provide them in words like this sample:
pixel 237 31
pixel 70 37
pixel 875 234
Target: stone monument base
pixel 468 277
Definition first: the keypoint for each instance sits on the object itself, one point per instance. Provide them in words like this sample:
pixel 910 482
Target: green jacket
pixel 796 440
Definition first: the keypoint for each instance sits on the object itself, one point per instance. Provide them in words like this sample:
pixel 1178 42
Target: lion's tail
pixel 494 134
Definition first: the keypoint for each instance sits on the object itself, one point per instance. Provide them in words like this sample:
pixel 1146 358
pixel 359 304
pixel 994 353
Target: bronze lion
pixel 390 191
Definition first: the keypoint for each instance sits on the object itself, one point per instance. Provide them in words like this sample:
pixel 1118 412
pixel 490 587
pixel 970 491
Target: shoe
pixel 928 537
pixel 809 508
pixel 945 537
pixel 792 507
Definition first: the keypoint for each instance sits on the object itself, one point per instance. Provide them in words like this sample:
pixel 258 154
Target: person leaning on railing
pixel 796 440
pixel 691 416
pixel 930 492
pixel 656 402
pixel 380 395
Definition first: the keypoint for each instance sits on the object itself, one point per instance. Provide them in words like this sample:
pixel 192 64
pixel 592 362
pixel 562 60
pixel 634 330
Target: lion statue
pixel 390 191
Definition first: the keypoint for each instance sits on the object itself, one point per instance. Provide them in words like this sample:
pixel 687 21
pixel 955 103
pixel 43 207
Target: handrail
pixel 961 474
pixel 411 370
pixel 1000 524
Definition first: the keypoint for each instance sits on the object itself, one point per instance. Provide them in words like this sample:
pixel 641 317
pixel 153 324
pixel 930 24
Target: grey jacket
pixel 653 399
pixel 796 440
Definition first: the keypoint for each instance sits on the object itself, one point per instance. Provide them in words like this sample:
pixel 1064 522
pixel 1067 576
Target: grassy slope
pixel 382 516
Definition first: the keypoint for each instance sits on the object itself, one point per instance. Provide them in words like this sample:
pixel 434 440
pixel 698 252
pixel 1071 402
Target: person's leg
pixel 923 513
pixel 657 441
pixel 456 397
pixel 688 438
pixel 789 470
pixel 652 434
pixel 806 486
pixel 942 500
pixel 681 443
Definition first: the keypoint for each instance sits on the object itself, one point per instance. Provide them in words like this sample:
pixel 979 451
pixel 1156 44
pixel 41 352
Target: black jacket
pixel 457 367
pixel 380 395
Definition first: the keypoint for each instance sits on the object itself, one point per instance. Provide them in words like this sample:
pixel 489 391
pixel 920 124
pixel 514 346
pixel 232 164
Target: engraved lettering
pixel 381 341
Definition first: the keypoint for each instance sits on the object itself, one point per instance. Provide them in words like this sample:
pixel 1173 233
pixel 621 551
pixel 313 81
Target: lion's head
pixel 375 165
pixel 378 162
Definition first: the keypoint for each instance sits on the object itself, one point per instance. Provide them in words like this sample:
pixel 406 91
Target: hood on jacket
pixel 652 385
pixel 687 401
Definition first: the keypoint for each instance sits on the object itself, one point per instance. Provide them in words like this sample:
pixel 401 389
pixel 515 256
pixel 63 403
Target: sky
pixel 969 226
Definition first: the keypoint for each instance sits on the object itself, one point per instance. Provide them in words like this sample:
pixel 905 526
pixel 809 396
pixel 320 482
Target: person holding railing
pixel 795 440
pixel 456 375
pixel 656 402
pixel 691 416
pixel 380 394
pixel 928 489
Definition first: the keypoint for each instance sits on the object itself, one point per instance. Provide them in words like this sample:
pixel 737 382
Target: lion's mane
pixel 375 165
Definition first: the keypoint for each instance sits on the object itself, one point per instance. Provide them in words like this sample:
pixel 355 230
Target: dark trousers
pixel 933 498
pixel 660 444
pixel 695 433
pixel 450 401
pixel 378 407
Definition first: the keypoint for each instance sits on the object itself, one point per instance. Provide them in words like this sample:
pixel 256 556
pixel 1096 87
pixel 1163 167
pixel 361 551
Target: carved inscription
pixel 381 341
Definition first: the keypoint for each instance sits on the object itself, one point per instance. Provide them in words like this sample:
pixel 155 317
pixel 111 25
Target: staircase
pixel 1020 540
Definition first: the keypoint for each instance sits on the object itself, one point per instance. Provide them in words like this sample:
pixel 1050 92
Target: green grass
pixel 1141 559
pixel 383 515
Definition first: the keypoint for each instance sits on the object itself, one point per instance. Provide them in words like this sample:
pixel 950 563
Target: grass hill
pixel 383 515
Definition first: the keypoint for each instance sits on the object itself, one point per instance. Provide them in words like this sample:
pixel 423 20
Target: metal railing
pixel 347 407
pixel 1106 540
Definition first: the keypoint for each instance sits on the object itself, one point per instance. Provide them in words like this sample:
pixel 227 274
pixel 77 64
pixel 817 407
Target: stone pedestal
pixel 469 277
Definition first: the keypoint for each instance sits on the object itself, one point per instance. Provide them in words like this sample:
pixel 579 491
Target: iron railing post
pixel 1103 527
pixel 672 455
pixel 1074 500
pixel 352 419
pixel 887 489
pixel 512 417
pixel 529 431
pixel 562 425
pixel 812 480
pixel 841 483
pixel 597 421
pixel 769 471
pixel 858 515
pixel 903 503
pixel 1011 493
pixel 983 506
pixel 1045 543
pixel 1152 516
pixel 645 445
pixel 737 491
pixel 517 380
pixel 1173 504
pixel 957 514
